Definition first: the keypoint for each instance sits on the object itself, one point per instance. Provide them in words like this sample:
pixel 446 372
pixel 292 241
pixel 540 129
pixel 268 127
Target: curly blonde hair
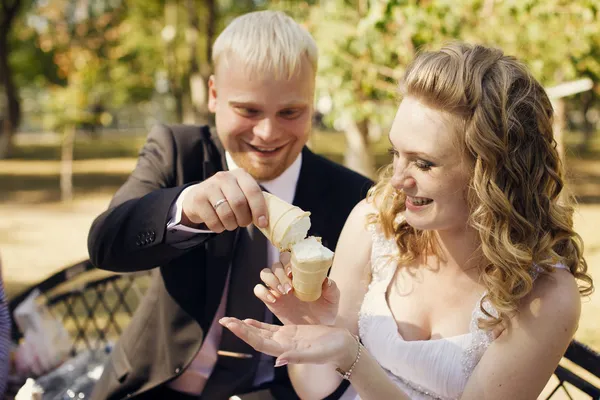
pixel 516 197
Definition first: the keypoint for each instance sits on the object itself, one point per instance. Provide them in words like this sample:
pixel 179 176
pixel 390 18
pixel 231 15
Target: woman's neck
pixel 460 250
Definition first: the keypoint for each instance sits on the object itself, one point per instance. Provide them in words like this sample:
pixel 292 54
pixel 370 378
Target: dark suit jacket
pixel 168 327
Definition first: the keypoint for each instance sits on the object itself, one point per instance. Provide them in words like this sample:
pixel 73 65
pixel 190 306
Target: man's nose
pixel 265 129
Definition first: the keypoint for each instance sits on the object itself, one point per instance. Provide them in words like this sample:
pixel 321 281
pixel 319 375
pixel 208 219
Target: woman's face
pixel 429 167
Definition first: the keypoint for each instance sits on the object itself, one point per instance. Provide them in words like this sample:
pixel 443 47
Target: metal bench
pixel 582 358
pixel 95 306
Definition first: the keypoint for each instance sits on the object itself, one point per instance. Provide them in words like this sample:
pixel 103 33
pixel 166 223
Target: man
pixel 187 209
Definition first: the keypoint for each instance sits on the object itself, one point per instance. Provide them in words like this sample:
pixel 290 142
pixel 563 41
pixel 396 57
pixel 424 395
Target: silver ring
pixel 218 203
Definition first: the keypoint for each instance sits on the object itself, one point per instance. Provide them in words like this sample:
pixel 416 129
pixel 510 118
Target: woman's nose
pixel 401 179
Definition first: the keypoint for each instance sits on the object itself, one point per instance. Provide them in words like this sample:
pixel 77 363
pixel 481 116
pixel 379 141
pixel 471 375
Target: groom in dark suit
pixel 189 208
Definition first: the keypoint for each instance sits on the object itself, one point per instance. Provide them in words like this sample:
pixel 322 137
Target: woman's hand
pixel 297 344
pixel 277 294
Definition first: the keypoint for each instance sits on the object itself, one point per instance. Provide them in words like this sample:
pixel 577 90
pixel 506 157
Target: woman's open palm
pixel 296 344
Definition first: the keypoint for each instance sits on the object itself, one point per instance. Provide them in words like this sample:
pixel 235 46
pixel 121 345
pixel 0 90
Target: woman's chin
pixel 418 222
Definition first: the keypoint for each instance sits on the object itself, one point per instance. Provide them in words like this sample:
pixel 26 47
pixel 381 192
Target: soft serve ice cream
pixel 310 263
pixel 287 230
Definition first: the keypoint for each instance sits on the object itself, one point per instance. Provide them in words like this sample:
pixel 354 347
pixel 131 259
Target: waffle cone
pixel 282 216
pixel 308 277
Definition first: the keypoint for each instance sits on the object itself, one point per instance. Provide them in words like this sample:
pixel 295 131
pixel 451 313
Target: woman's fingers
pixel 272 280
pixel 285 258
pixel 260 339
pixel 261 325
pixel 279 271
pixel 265 295
pixel 330 291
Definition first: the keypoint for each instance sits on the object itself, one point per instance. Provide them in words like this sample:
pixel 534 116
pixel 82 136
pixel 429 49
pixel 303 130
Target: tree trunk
pixel 559 125
pixel 358 155
pixel 197 83
pixel 66 164
pixel 588 126
pixel 171 58
pixel 11 120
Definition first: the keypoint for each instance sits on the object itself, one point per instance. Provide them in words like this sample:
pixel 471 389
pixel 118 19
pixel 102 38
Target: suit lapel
pixel 311 192
pixel 219 250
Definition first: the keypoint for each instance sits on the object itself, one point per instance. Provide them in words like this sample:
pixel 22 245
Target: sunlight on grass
pixel 32 218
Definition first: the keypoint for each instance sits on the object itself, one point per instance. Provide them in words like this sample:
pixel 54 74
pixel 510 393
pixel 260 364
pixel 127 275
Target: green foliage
pixel 117 52
pixel 365 45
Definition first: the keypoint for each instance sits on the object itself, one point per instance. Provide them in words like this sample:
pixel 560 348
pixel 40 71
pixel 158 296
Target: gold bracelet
pixel 346 375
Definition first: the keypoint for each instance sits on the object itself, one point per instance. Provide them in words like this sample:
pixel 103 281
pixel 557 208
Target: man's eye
pixel 423 165
pixel 393 152
pixel 246 112
pixel 291 113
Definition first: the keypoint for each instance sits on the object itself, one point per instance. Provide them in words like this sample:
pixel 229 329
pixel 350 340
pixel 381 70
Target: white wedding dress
pixel 423 369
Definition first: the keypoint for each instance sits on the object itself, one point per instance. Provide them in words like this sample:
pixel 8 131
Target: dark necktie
pixel 237 361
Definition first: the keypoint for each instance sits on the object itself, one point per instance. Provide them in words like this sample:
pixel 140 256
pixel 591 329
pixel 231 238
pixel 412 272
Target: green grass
pixel 113 146
pixel 31 180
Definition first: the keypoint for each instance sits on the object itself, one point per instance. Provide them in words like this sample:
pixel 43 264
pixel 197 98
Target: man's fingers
pixel 236 199
pixel 199 210
pixel 222 208
pixel 255 198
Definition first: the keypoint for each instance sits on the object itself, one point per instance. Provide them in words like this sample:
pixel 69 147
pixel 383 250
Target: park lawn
pixel 40 235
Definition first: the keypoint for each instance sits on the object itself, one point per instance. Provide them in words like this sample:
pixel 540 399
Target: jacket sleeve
pixel 130 235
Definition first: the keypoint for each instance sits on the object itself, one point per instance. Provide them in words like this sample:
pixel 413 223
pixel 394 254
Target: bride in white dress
pixel 459 272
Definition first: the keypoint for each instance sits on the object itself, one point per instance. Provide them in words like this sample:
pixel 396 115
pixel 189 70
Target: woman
pixel 459 272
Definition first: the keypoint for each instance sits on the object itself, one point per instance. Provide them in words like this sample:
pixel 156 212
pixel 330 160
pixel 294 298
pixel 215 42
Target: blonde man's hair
pixel 516 197
pixel 266 42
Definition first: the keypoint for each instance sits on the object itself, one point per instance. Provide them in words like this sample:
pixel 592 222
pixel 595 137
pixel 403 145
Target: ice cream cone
pixel 288 224
pixel 310 263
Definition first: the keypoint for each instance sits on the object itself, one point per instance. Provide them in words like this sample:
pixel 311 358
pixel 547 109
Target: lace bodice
pixel 424 369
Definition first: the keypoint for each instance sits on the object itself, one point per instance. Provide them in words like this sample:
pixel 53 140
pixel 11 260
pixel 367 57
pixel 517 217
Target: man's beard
pixel 260 172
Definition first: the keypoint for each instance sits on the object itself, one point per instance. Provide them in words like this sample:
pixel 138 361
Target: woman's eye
pixel 423 165
pixel 393 152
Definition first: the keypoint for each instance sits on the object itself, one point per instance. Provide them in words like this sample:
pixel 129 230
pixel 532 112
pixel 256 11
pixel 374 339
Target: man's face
pixel 262 122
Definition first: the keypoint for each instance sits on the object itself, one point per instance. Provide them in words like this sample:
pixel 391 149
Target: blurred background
pixel 81 82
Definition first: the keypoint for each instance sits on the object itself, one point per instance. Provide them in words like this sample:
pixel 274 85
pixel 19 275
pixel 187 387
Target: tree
pixel 366 44
pixel 9 10
pixel 81 35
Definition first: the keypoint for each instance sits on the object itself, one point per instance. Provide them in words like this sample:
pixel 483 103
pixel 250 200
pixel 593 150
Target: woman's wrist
pixel 349 353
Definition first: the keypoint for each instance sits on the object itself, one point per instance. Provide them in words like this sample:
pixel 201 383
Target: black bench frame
pixel 90 334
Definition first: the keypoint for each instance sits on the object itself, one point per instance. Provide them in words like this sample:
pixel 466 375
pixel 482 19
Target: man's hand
pixel 225 201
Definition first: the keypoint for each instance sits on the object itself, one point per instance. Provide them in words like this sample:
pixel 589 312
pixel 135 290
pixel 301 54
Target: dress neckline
pixel 388 310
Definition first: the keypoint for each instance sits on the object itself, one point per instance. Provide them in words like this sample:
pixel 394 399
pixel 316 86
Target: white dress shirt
pixel 194 378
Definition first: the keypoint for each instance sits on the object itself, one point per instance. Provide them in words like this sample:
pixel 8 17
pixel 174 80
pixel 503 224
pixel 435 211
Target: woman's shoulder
pixel 362 215
pixel 365 208
pixel 554 298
